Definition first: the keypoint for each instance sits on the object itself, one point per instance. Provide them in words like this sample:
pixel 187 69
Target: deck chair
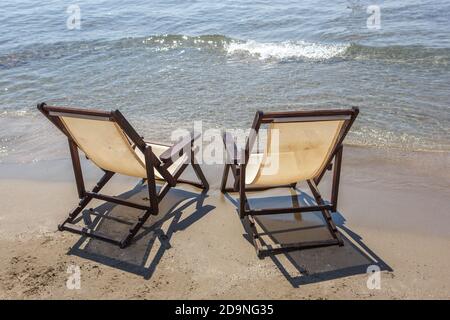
pixel 309 143
pixel 110 142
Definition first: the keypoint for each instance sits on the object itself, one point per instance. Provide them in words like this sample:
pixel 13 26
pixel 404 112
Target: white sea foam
pixel 14 113
pixel 286 50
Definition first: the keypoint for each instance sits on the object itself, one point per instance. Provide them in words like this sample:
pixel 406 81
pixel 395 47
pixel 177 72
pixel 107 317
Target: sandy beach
pixel 393 213
pixel 374 76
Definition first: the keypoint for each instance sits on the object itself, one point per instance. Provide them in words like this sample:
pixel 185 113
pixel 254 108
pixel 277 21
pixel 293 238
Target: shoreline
pixel 393 212
pixel 419 159
pixel 29 149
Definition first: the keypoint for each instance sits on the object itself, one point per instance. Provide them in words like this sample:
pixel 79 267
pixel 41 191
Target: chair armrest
pixel 234 154
pixel 177 150
pixel 157 143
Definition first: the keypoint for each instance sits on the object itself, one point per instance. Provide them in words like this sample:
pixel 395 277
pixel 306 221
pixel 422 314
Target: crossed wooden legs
pixel 248 214
pixel 263 250
pixel 151 209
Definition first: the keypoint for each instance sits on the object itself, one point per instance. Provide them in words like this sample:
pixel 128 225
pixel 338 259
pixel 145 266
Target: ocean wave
pixel 399 54
pixel 174 41
pixel 76 49
pixel 287 50
pixel 279 51
pixel 15 113
pixel 295 50
pixel 310 51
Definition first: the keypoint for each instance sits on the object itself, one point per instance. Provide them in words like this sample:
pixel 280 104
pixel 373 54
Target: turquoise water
pixel 166 64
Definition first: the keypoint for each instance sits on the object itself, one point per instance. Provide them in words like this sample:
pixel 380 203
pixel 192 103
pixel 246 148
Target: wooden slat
pixel 258 212
pixel 311 118
pixel 308 113
pixel 282 248
pixel 117 200
pixel 88 233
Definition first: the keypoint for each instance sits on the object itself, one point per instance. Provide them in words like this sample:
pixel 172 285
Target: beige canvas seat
pixel 110 142
pixel 299 153
pixel 300 146
pixel 105 144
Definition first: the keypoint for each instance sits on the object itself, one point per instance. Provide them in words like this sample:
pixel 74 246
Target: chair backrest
pixel 101 137
pixel 300 145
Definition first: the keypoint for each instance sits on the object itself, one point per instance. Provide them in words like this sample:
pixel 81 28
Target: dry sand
pixel 393 211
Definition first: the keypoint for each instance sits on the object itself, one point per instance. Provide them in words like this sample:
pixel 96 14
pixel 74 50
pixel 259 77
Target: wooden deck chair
pixel 110 142
pixel 309 143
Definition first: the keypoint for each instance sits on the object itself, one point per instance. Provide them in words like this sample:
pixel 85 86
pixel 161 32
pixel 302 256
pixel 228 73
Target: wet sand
pixel 393 213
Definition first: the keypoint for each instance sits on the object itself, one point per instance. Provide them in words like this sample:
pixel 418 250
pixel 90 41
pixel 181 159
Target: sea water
pixel 166 64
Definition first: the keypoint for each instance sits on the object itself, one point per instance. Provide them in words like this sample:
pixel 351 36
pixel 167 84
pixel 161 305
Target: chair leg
pixel 334 231
pixel 197 170
pixel 254 235
pixel 336 177
pixel 199 173
pixel 86 199
pixel 151 185
pixel 68 226
pixel 226 170
pixel 133 230
pixel 242 196
pixel 154 199
pixel 236 178
pixel 325 212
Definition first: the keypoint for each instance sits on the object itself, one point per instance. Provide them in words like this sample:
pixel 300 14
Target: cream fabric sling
pixel 105 144
pixel 295 151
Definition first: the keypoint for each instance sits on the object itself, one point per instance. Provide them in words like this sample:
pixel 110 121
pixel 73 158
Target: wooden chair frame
pixel 237 161
pixel 152 162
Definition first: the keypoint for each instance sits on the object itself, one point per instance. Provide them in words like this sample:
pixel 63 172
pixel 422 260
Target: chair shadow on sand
pixel 149 246
pixel 316 264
